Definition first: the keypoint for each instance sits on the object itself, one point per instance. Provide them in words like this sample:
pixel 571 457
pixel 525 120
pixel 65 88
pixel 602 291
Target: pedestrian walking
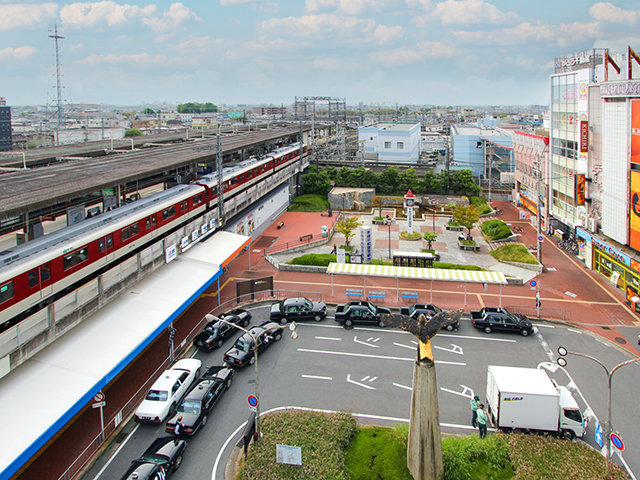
pixel 482 421
pixel 538 302
pixel 475 401
pixel 178 430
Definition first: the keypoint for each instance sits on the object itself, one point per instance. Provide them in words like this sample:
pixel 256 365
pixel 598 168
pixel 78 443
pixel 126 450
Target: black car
pixel 163 457
pixel 498 318
pixel 216 332
pixel 242 353
pixel 427 309
pixel 296 309
pixel 196 406
pixel 360 311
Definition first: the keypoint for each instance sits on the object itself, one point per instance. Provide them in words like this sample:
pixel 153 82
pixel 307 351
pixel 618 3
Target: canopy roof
pixel 418 273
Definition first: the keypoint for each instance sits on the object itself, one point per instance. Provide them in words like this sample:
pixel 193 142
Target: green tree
pixel 316 181
pixel 193 107
pixel 465 215
pixel 408 179
pixel 430 237
pixel 148 111
pixel 377 203
pixel 132 132
pixel 461 182
pixel 347 227
pixel 389 181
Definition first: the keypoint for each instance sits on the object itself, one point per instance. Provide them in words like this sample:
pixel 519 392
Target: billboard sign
pixel 584 136
pixel 634 213
pixel 635 131
pixel 580 189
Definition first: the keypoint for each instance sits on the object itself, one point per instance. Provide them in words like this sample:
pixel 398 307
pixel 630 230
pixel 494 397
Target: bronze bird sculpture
pixel 422 328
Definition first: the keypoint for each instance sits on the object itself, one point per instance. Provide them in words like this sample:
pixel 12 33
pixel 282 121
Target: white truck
pixel 526 399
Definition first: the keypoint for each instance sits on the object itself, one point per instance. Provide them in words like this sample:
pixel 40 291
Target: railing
pixel 280 247
pixel 95 445
pixel 532 312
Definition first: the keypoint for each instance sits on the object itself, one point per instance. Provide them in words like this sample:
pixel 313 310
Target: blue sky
pixel 451 52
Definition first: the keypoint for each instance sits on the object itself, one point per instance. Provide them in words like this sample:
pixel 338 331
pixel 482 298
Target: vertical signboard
pixel 365 243
pixel 580 189
pixel 635 131
pixel 634 213
pixel 584 136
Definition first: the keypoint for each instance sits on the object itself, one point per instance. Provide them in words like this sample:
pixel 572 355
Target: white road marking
pixel 543 325
pixel 359 384
pixel 410 347
pixel 402 386
pixel 464 393
pixel 116 452
pixel 574 331
pixel 571 294
pixel 355 339
pixel 381 357
pixel 488 339
pixel 545 345
pixel 315 377
pixel 328 338
pixel 455 349
pixel 551 269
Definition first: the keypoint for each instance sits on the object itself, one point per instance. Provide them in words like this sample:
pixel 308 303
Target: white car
pixel 167 391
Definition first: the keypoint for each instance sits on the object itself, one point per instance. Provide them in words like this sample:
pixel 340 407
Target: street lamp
pixel 563 362
pixel 292 327
pixel 389 221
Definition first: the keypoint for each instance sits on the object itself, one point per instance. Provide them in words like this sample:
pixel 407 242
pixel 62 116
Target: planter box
pixel 454 228
pixel 474 248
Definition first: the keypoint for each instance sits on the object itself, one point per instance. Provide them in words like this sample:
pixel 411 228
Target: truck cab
pixel 571 418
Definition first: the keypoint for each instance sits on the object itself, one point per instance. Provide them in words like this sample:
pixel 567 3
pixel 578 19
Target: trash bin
pixel 325 231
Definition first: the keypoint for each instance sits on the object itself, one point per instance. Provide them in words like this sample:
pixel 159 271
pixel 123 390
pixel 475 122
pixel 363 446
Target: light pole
pixel 389 221
pixel 563 362
pixel 294 335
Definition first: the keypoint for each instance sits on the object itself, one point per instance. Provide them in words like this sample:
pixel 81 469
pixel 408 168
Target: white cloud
pixel 607 12
pixel 405 56
pixel 19 53
pixel 20 16
pixel 176 16
pixel 80 15
pixel 437 50
pixel 320 26
pixel 465 12
pixel 330 64
pixel 350 7
pixel 384 34
pixel 426 5
pixel 142 60
pixel 236 2
pixel 77 46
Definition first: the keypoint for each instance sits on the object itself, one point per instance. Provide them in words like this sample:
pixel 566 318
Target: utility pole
pixel 57 37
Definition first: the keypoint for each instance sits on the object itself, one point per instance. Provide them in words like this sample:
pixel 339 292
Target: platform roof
pixel 40 396
pixel 417 273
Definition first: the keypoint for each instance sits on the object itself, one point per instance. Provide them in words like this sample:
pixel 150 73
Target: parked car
pixel 243 351
pixel 497 318
pixel 216 332
pixel 197 404
pixel 162 458
pixel 415 310
pixel 296 309
pixel 166 392
pixel 360 312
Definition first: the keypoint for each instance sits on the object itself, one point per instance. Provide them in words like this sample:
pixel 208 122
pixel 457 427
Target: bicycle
pixel 517 229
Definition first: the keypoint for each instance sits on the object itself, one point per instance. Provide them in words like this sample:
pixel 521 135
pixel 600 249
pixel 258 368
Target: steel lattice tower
pixel 57 37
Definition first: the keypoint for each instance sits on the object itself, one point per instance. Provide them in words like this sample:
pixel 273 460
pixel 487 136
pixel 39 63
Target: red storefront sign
pixel 584 136
pixel 580 189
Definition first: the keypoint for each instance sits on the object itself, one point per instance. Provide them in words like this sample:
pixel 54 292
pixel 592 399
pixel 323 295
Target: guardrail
pixel 84 459
pixel 532 312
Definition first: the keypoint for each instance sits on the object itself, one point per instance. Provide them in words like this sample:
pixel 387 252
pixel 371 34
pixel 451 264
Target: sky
pixel 229 52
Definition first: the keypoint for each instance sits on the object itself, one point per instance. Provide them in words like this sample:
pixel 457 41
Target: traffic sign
pixel 99 397
pixel 99 404
pixel 253 400
pixel 540 238
pixel 533 283
pixel 598 435
pixel 617 442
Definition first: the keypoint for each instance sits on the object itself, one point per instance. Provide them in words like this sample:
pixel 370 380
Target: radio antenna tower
pixel 57 37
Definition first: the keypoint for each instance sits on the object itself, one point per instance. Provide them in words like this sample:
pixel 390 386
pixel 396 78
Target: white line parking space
pixel 316 377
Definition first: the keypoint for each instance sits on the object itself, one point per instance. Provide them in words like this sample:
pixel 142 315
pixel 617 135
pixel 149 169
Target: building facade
pixel 392 142
pixel 481 150
pixel 6 142
pixel 531 157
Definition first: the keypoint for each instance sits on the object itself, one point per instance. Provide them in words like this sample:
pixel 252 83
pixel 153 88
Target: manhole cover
pixel 606 328
pixel 621 340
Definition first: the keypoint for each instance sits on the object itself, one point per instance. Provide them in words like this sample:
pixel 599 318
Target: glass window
pixel 387 144
pixel 157 395
pixel 101 245
pixel 33 278
pixel 109 241
pixel 400 145
pixel 135 229
pixel 68 261
pixel 6 292
pixel 198 199
pixel 125 233
pixel 45 272
pixel 82 254
pixel 574 415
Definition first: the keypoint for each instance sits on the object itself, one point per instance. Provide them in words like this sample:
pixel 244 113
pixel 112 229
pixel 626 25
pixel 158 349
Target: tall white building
pixel 391 142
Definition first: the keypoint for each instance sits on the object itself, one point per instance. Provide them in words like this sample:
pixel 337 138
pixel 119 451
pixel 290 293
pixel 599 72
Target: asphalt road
pixel 368 371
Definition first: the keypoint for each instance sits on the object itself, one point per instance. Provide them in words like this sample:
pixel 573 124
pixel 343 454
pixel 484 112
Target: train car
pixel 36 273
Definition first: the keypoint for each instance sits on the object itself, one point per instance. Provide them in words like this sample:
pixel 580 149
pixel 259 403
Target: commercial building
pixel 531 156
pixel 481 150
pixel 391 142
pixel 5 126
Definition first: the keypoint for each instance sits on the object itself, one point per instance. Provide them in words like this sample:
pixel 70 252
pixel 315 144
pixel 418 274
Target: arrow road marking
pixel 455 349
pixel 466 391
pixel 373 339
pixel 359 384
pixel 355 339
pixel 370 379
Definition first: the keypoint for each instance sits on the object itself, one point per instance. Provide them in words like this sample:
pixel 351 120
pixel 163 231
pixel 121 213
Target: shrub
pixel 309 203
pixel 496 230
pixel 316 259
pixel 378 452
pixel 411 236
pixel 471 458
pixel 515 252
pixel 453 266
pixel 481 204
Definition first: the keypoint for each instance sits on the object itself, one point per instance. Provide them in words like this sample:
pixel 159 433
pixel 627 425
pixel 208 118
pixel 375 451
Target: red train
pixel 36 273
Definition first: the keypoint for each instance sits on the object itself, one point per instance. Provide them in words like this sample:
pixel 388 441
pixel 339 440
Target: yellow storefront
pixel 608 265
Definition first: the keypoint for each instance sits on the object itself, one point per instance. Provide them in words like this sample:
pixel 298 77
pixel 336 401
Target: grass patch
pixel 322 437
pixel 481 205
pixel 375 261
pixel 314 259
pixel 515 252
pixel 496 230
pixel 468 242
pixel 469 458
pixel 378 452
pixel 309 203
pixel 411 236
pixel 453 266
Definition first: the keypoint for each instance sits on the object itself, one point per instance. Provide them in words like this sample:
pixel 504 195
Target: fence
pixel 281 247
pixel 556 313
pixel 112 423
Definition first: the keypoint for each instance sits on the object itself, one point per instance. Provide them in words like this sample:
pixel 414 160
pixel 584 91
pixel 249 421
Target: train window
pixel 45 272
pixel 234 181
pixel 197 199
pixel 184 205
pixel 249 174
pixel 261 168
pixel 125 233
pixel 6 292
pixel 83 254
pixel 214 190
pixel 100 245
pixel 135 229
pixel 68 261
pixel 242 177
pixel 151 222
pixel 33 278
pixel 109 241
pixel 168 213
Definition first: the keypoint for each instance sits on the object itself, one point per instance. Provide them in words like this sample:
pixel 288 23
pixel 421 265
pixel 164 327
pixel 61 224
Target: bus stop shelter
pixel 417 273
